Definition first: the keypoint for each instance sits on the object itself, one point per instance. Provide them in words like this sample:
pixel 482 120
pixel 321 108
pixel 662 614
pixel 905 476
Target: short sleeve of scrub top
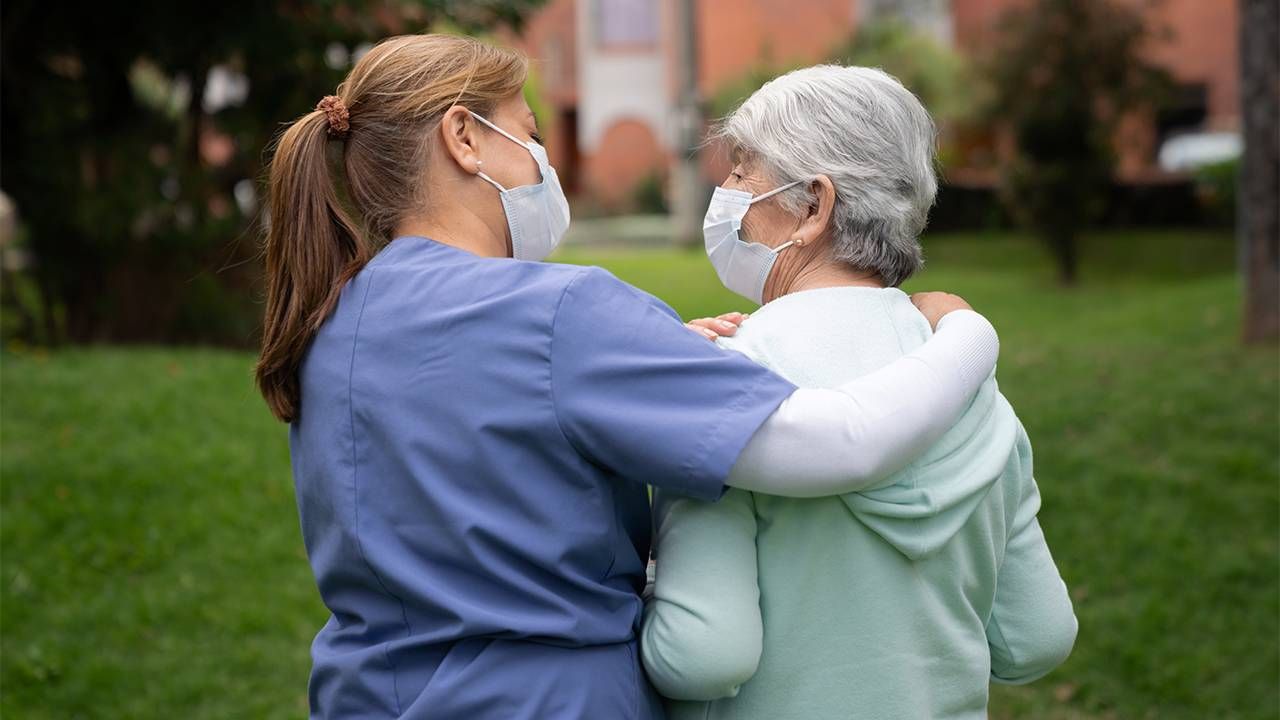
pixel 635 391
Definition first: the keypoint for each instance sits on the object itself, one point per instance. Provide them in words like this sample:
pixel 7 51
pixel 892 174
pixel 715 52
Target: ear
pixel 460 134
pixel 817 219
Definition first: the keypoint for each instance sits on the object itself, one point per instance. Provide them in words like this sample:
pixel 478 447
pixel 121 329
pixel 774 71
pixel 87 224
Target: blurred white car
pixel 1193 150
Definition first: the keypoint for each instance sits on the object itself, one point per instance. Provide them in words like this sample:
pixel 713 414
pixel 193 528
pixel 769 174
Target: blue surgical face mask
pixel 742 266
pixel 537 215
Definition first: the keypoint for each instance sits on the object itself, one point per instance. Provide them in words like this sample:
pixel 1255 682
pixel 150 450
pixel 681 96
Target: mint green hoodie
pixel 903 600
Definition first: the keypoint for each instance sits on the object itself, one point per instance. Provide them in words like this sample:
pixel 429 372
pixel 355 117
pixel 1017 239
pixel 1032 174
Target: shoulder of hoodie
pixel 769 335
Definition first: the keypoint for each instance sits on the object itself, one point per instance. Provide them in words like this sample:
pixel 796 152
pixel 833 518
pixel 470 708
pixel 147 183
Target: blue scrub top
pixel 470 458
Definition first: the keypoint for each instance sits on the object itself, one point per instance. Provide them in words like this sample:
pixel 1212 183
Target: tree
pixel 1259 228
pixel 135 231
pixel 1064 73
pixel 937 75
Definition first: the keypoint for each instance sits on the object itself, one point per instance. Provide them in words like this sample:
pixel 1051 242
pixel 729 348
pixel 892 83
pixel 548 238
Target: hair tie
pixel 336 111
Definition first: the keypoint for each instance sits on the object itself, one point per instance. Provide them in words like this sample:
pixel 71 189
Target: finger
pixel 704 332
pixel 734 317
pixel 722 326
pixel 716 325
pixel 924 299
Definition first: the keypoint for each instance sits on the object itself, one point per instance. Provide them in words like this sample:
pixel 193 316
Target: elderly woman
pixel 905 598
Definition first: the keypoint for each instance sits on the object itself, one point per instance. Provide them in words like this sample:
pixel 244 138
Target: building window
pixel 1185 110
pixel 622 24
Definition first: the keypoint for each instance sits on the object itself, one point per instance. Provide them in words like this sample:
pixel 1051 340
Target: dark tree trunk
pixel 1065 256
pixel 1259 226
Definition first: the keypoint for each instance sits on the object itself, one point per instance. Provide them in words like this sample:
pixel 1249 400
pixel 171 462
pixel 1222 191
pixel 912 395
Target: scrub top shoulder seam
pixel 355 484
pixel 551 362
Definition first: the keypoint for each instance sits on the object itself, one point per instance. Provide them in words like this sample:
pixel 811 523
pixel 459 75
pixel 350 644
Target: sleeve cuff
pixel 978 345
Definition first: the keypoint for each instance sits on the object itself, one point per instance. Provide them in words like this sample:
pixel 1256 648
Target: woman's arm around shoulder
pixel 849 438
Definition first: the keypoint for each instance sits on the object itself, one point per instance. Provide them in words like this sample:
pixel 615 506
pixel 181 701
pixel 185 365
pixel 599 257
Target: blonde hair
pixel 326 219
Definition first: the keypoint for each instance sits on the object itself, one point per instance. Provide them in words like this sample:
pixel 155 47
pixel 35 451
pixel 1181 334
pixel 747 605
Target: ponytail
pixel 313 248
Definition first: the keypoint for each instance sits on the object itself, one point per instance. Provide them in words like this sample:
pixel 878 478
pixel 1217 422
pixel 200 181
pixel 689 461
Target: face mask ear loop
pixel 481 173
pixel 775 191
pixel 512 138
pixel 772 192
pixel 490 180
pixel 497 129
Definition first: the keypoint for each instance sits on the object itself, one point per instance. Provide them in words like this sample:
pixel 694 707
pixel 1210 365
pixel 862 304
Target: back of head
pixel 865 131
pixel 344 175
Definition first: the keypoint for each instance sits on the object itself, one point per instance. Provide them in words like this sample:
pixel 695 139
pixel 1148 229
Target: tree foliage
pixel 1063 75
pixel 128 200
pixel 940 77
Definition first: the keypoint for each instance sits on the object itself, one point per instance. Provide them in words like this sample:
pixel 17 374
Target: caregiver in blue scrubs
pixel 471 429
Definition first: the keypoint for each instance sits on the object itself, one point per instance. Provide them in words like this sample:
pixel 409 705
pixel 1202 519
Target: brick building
pixel 606 72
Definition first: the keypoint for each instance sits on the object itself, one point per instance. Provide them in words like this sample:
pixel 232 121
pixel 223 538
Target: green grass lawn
pixel 152 564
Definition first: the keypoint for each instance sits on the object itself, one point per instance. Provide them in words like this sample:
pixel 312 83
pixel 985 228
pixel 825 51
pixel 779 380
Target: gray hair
pixel 860 127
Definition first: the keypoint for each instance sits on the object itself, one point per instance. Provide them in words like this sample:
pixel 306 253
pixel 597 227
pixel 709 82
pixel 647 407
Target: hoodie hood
pixel 920 509
pixel 830 336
